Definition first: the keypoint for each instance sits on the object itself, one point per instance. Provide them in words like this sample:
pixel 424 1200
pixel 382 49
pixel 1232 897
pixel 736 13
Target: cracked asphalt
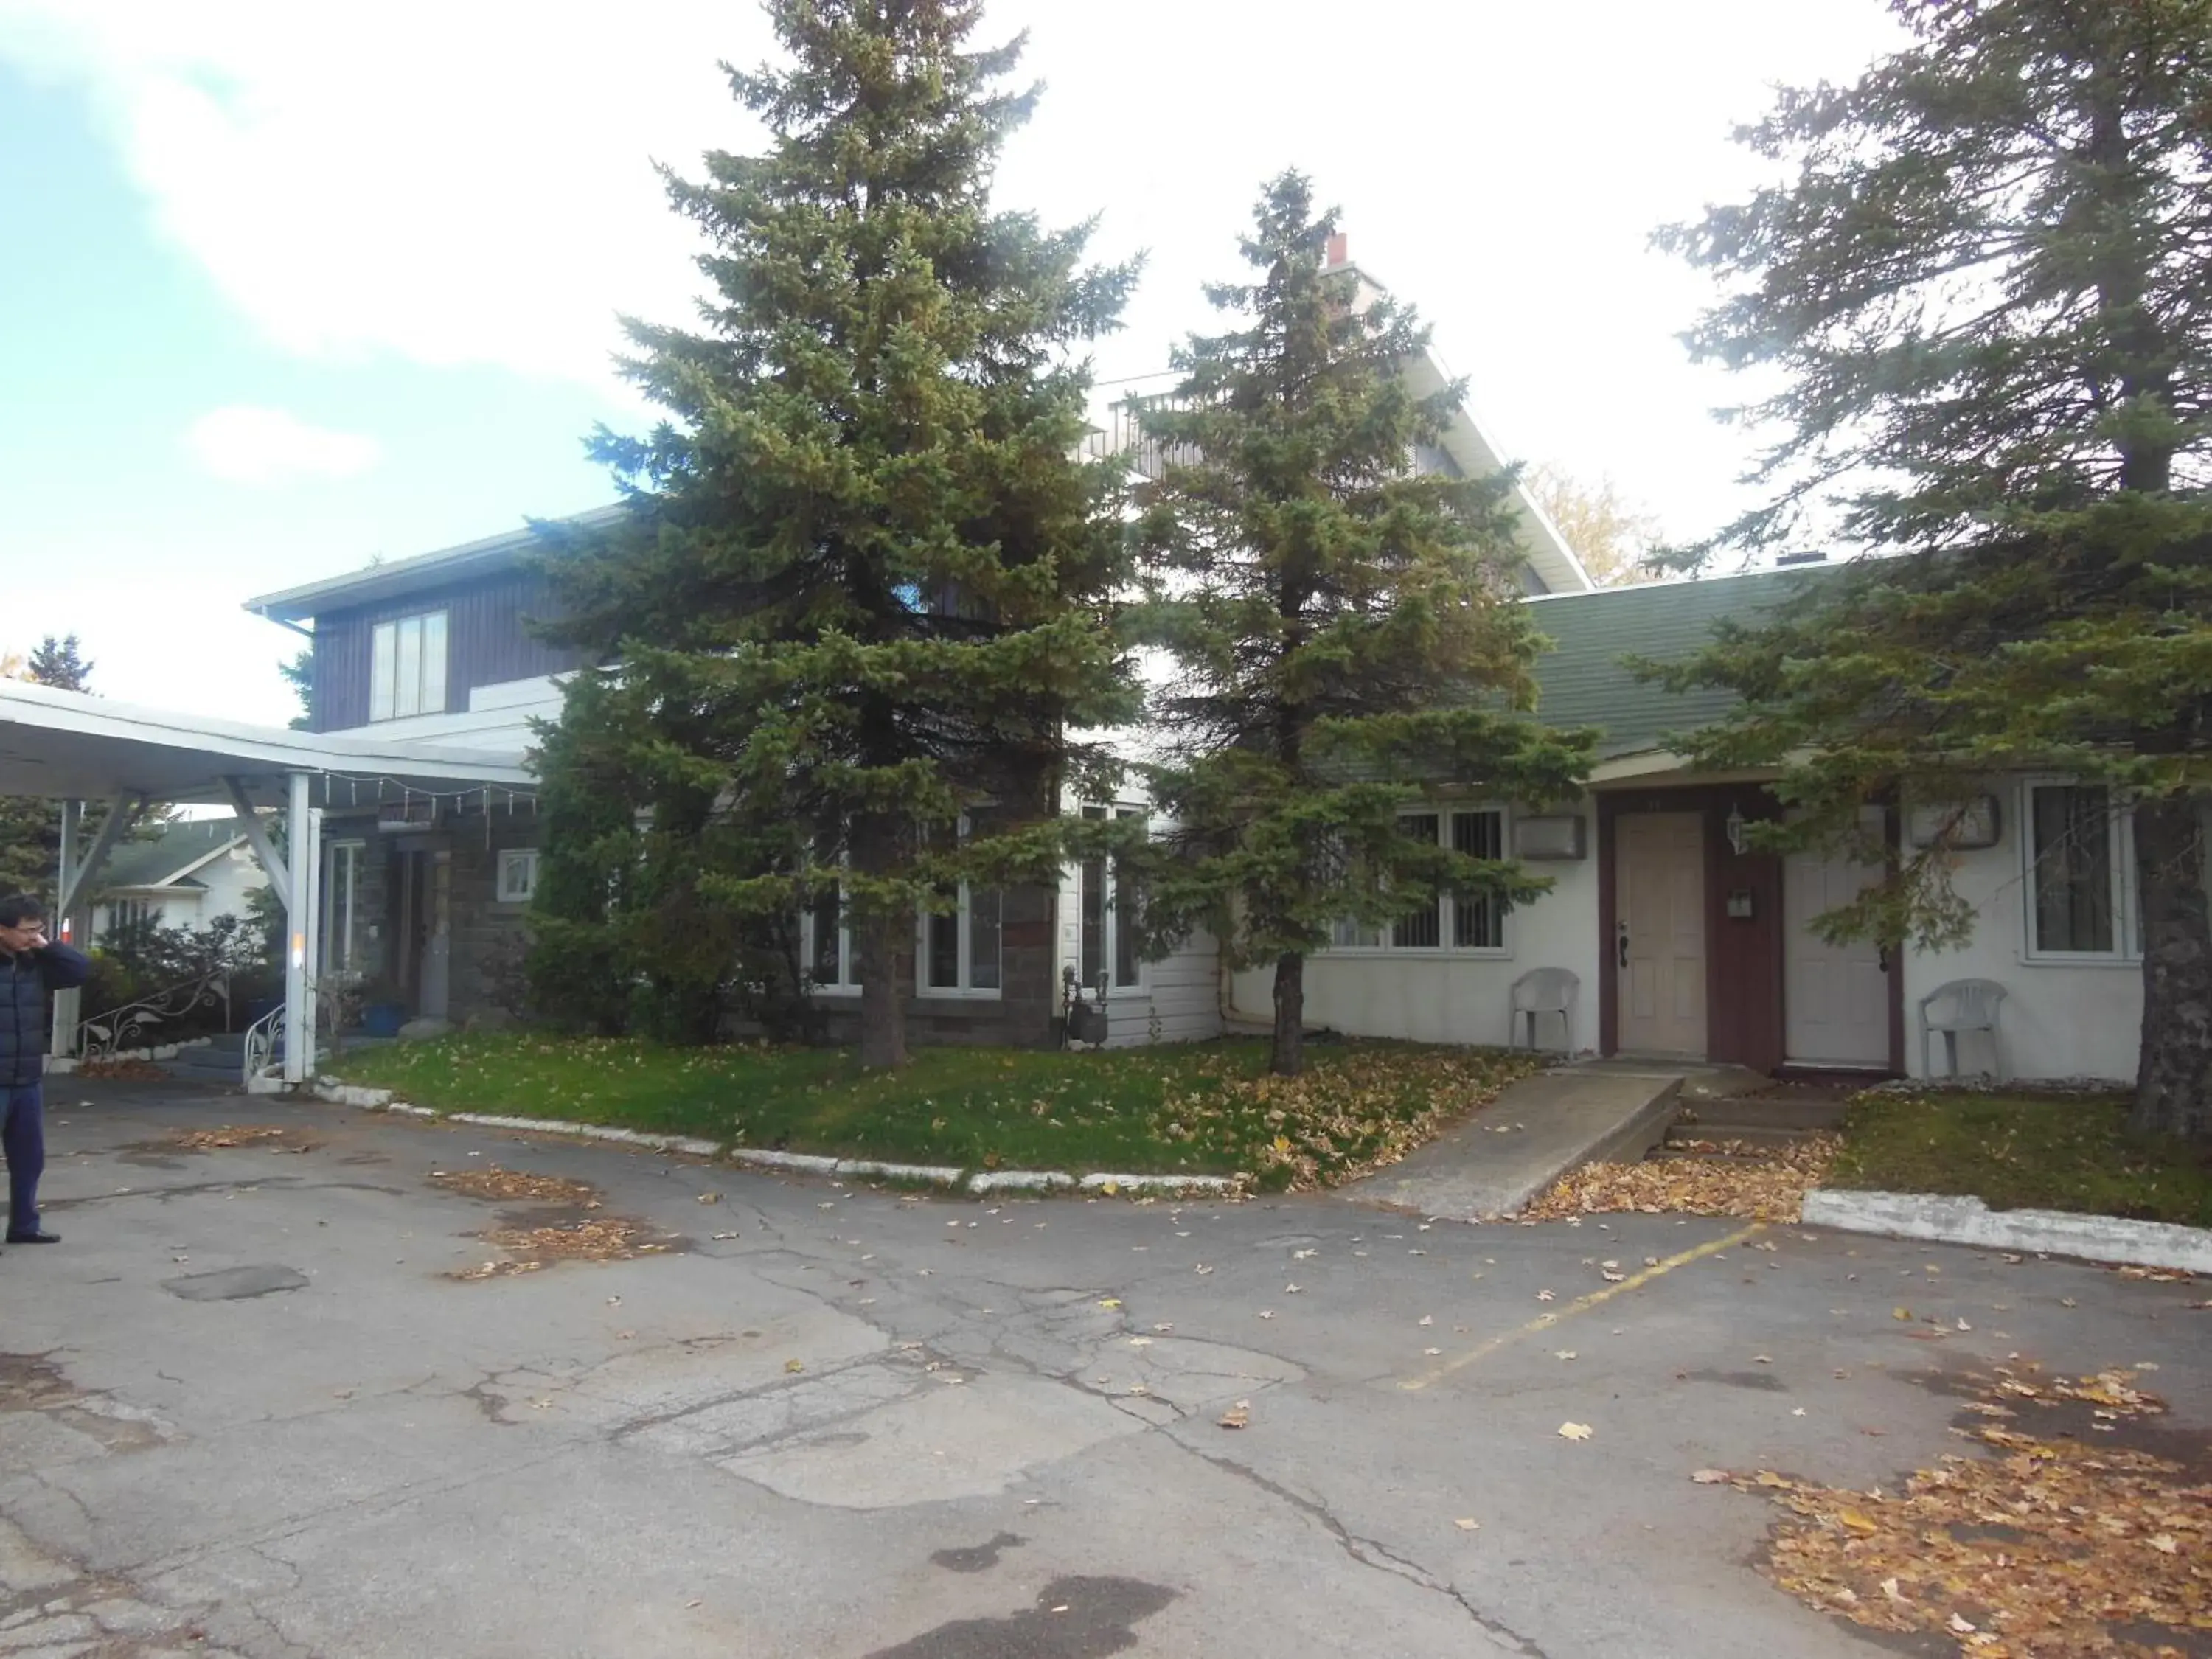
pixel 250 1407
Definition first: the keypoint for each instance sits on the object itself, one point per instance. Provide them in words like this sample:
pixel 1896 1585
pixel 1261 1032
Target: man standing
pixel 30 967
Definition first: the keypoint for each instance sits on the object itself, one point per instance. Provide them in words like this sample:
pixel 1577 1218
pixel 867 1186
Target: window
pixel 2081 873
pixel 825 949
pixel 407 667
pixel 341 905
pixel 1464 922
pixel 1478 919
pixel 130 915
pixel 961 950
pixel 518 875
pixel 1105 908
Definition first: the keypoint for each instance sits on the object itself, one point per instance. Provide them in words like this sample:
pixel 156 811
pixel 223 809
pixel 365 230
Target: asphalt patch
pixel 236 1284
pixel 1764 1381
pixel 977 1558
pixel 1073 1619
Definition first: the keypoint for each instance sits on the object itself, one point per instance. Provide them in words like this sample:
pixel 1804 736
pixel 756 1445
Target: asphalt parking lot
pixel 283 1398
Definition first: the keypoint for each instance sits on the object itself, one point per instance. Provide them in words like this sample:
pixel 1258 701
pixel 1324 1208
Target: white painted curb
pixel 1157 1183
pixel 1018 1181
pixel 938 1174
pixel 2027 1232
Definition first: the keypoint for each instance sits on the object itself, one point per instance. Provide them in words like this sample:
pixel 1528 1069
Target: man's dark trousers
pixel 23 1138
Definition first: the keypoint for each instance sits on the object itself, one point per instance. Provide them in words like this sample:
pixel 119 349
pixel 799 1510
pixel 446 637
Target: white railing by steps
pixel 107 1033
pixel 264 1042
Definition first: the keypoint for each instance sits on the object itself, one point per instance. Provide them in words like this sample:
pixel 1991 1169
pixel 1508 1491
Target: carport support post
pixel 299 903
pixel 67 1003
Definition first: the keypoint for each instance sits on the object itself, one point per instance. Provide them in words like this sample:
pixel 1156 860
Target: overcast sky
pixel 286 287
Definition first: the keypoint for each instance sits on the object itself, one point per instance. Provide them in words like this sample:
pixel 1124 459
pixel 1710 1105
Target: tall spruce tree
pixel 861 588
pixel 31 827
pixel 1346 631
pixel 1983 286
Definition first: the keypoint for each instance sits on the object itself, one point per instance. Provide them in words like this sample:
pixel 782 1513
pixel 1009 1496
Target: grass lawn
pixel 1199 1108
pixel 2023 1150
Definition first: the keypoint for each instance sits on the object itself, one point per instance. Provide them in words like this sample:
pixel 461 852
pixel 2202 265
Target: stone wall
pixel 484 963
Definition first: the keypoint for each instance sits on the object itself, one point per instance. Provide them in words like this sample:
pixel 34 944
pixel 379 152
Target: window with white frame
pixel 1106 908
pixel 825 947
pixel 2081 873
pixel 961 949
pixel 518 875
pixel 126 914
pixel 341 906
pixel 407 667
pixel 1465 922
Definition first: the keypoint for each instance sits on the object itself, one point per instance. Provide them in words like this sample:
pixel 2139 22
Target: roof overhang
pixel 397 578
pixel 69 746
pixel 1477 456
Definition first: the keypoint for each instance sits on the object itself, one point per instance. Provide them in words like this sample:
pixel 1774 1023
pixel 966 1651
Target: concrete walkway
pixel 1540 1129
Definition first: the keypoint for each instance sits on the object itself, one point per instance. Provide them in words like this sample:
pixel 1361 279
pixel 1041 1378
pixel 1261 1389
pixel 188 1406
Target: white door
pixel 1659 943
pixel 1835 997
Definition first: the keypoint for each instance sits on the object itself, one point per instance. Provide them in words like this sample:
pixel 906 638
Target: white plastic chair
pixel 1972 1007
pixel 1543 991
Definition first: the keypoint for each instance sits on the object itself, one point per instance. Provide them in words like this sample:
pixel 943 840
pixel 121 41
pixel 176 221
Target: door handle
pixel 1624 945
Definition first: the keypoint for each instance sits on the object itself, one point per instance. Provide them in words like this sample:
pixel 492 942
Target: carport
pixel 73 748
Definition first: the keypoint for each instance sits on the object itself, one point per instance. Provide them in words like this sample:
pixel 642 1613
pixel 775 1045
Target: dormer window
pixel 407 667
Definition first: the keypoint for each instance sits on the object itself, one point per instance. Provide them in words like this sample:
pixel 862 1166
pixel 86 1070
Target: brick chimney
pixel 1338 251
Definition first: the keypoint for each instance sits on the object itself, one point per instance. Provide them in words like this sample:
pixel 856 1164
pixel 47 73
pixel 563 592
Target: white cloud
pixel 470 182
pixel 242 444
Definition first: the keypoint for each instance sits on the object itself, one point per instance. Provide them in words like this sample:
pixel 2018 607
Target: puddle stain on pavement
pixel 977 1558
pixel 1078 1618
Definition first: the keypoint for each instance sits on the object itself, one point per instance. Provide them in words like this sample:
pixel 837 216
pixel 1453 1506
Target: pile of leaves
pixel 2053 1546
pixel 229 1136
pixel 1762 1183
pixel 499 1185
pixel 596 1240
pixel 122 1071
pixel 1337 1121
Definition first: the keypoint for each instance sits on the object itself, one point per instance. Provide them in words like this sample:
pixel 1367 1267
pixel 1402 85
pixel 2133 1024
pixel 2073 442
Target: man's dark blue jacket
pixel 24 982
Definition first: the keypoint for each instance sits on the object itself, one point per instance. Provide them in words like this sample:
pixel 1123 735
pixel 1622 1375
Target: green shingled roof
pixel 1583 681
pixel 172 848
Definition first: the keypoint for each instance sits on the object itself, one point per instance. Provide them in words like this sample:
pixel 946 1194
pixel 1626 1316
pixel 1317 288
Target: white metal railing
pixel 134 1025
pixel 264 1042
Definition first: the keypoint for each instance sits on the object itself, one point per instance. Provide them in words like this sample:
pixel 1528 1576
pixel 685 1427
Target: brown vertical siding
pixel 486 642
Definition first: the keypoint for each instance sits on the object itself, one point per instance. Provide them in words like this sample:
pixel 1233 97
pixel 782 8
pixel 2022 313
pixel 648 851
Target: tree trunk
pixel 2174 1076
pixel 882 997
pixel 883 1005
pixel 1288 1058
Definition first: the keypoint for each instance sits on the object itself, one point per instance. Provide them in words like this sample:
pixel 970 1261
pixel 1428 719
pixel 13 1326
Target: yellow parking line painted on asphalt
pixel 1580 1304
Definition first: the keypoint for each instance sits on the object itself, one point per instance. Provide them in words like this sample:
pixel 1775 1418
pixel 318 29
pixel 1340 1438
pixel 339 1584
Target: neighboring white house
pixel 185 874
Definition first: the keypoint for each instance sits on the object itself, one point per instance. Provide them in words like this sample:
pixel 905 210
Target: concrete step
pixel 1780 1114
pixel 1683 1138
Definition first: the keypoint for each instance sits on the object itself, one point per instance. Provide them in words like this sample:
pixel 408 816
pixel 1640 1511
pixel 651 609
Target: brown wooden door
pixel 1659 943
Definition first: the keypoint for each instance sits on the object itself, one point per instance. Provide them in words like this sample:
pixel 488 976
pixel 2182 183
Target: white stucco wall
pixel 2059 1019
pixel 1447 996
